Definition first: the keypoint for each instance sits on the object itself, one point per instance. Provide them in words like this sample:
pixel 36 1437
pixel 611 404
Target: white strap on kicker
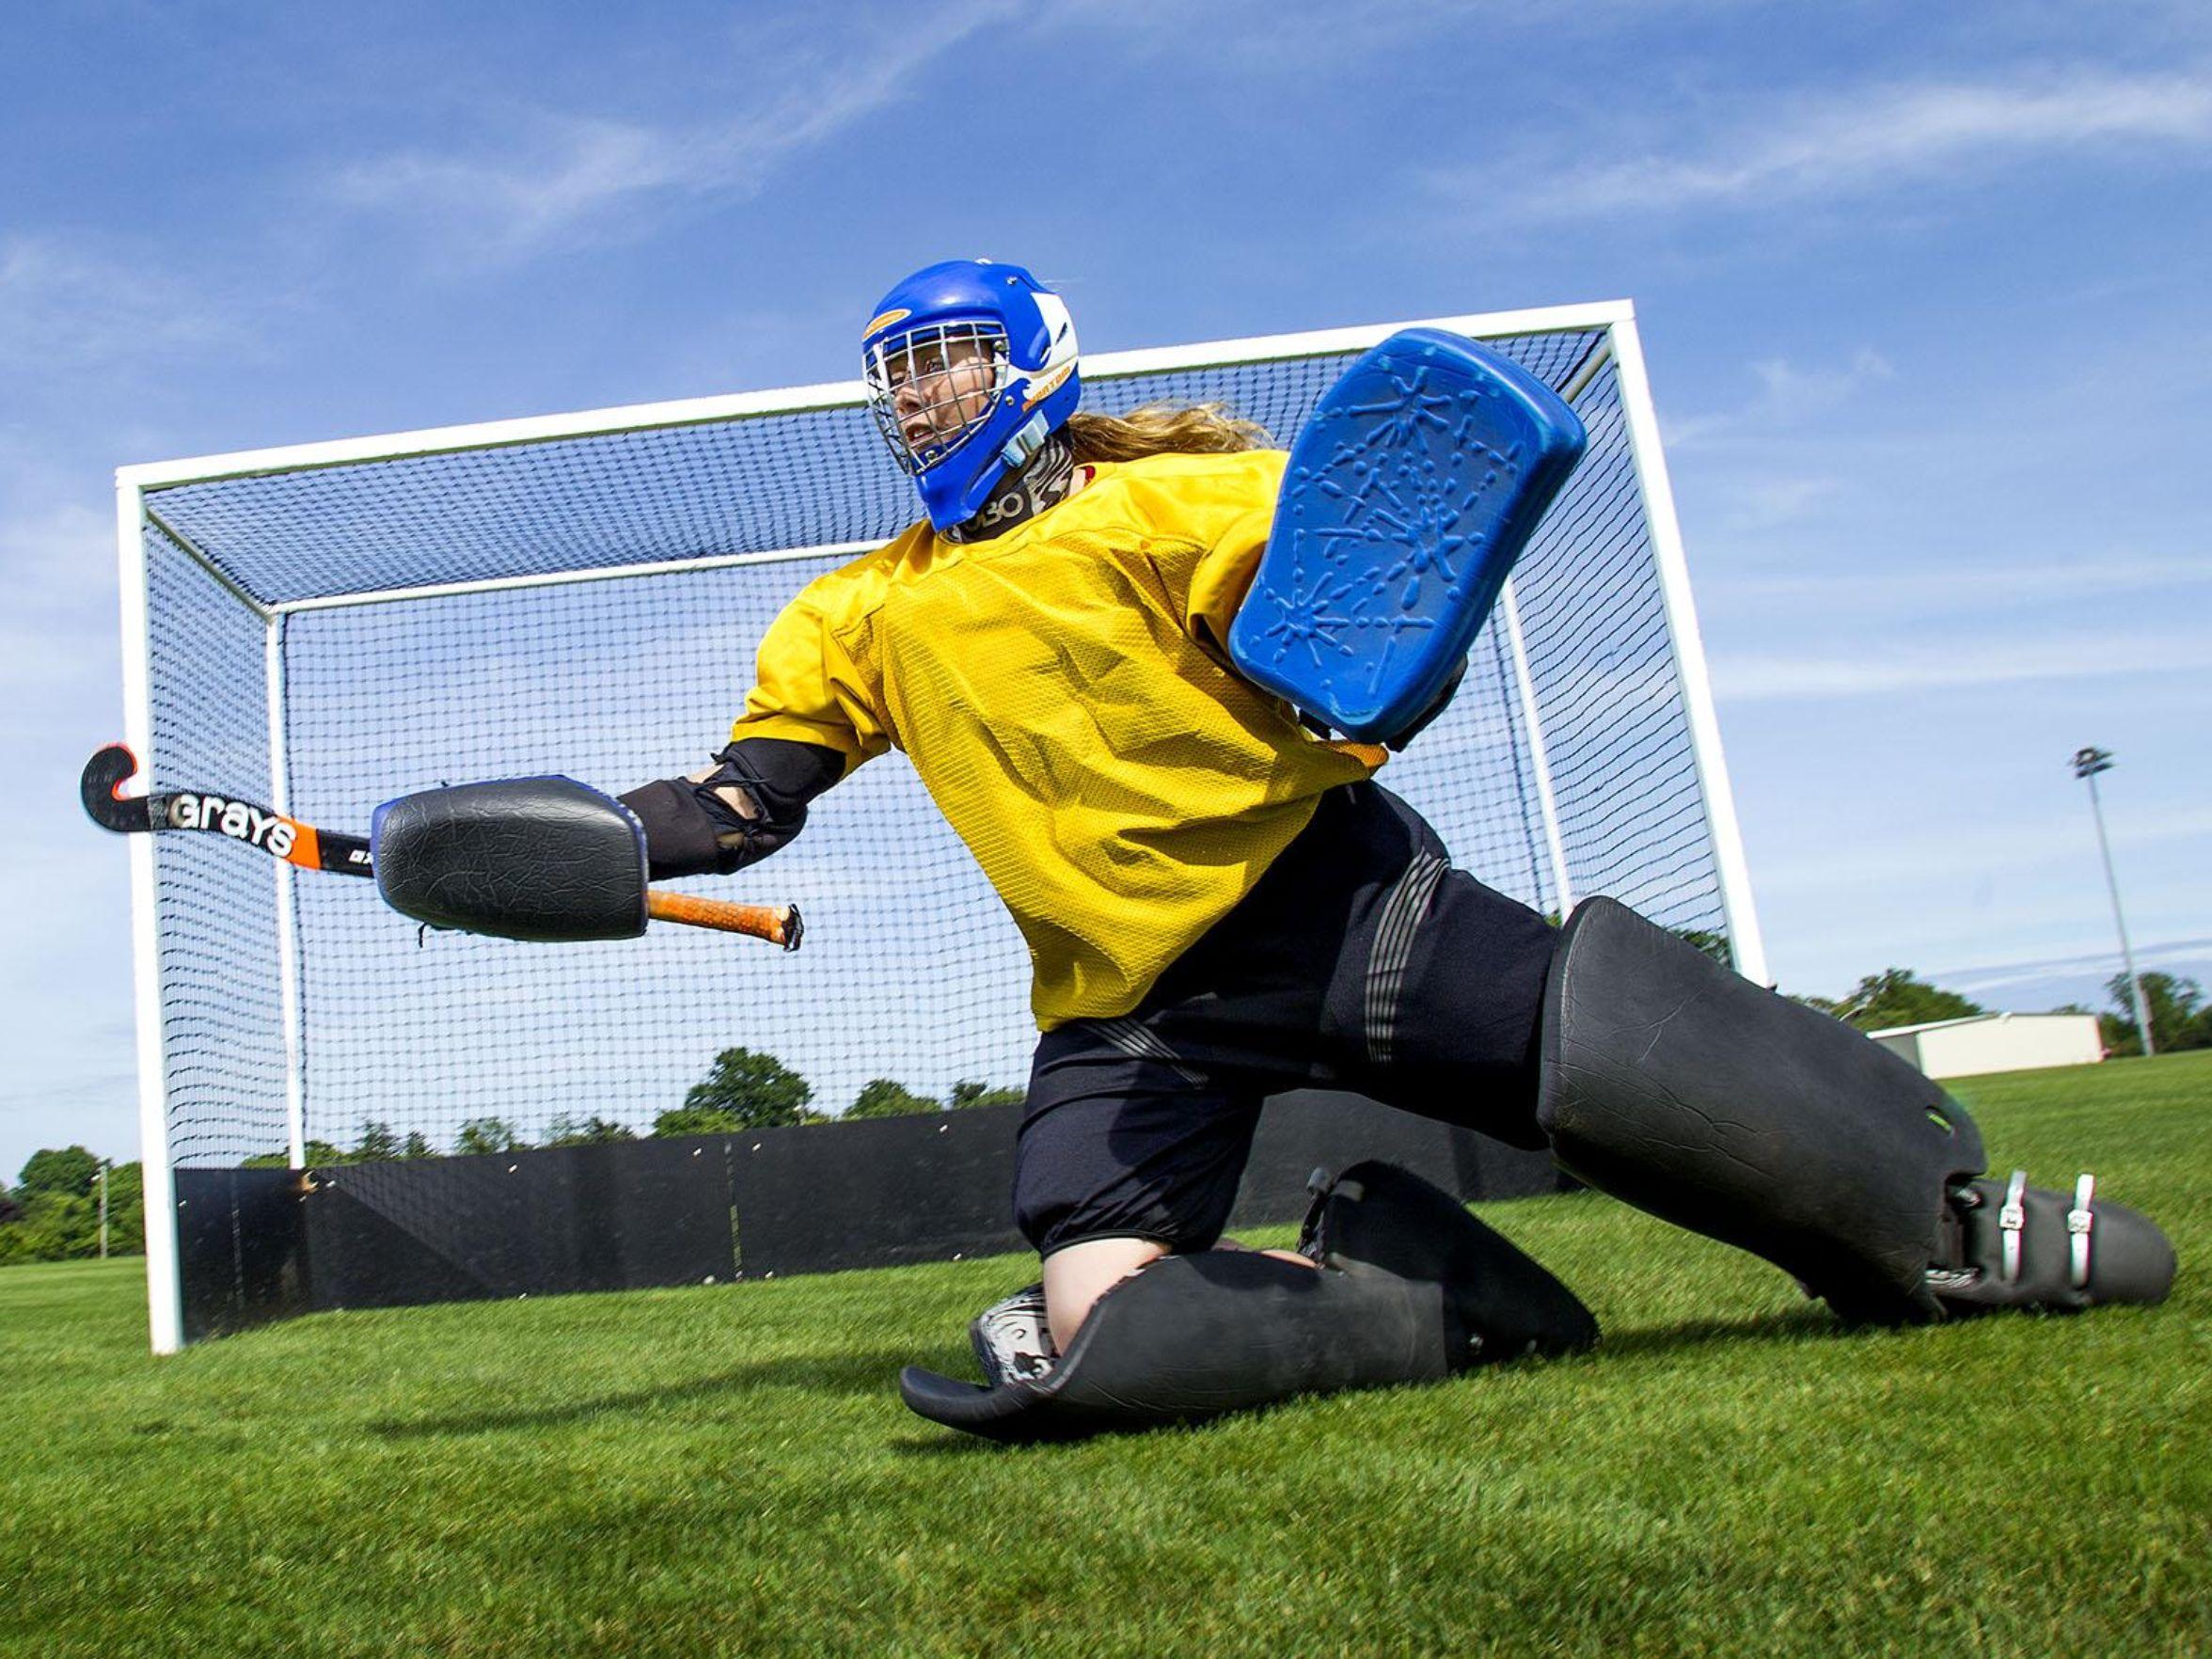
pixel 2077 1226
pixel 2012 1221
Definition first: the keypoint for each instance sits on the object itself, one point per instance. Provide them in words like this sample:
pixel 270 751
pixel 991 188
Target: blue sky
pixel 1925 300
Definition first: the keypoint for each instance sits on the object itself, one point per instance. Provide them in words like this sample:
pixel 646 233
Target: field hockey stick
pixel 311 848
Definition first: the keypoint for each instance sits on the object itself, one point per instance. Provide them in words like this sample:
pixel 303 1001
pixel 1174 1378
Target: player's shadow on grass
pixel 875 1372
pixel 839 1373
pixel 1809 1324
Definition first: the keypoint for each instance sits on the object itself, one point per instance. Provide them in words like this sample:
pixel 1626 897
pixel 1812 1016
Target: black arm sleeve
pixel 690 830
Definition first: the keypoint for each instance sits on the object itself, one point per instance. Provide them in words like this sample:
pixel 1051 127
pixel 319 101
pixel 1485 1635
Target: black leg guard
pixel 1410 1288
pixel 1677 1085
pixel 2008 1244
pixel 1687 1090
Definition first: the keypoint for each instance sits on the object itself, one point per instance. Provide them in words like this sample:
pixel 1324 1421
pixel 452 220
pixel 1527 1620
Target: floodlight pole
pixel 107 1167
pixel 2088 763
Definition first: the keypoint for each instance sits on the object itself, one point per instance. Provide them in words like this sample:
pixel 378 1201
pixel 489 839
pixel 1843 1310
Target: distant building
pixel 1996 1042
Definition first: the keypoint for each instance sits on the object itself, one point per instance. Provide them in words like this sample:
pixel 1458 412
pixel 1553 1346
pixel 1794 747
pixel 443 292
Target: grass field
pixel 728 1470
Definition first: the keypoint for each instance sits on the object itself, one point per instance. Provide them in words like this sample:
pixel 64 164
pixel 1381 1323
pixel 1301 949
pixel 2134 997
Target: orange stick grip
pixel 777 924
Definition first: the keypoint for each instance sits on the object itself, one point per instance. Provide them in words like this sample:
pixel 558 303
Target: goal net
pixel 326 627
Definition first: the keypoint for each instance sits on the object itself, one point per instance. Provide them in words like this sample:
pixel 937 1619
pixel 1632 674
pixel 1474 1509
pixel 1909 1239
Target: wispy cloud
pixel 2076 657
pixel 2001 845
pixel 58 630
pixel 65 307
pixel 2005 975
pixel 568 176
pixel 1879 136
pixel 56 537
pixel 1949 585
pixel 1770 503
pixel 525 197
pixel 1786 396
pixel 1270 37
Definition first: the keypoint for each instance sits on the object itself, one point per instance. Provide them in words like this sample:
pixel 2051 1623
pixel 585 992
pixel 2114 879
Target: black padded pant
pixel 1360 962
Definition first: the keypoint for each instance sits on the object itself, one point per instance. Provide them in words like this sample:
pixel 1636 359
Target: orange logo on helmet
pixel 1042 389
pixel 884 321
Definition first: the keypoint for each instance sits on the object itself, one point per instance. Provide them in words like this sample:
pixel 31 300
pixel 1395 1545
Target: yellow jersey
pixel 1061 693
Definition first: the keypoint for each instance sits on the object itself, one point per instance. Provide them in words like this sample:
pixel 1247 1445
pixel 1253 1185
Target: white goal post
pixel 324 626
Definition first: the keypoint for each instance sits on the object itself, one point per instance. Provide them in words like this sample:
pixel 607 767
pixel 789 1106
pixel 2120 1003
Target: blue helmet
pixel 970 366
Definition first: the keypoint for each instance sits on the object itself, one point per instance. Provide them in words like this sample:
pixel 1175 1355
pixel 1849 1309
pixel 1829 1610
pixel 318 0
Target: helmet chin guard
pixel 970 366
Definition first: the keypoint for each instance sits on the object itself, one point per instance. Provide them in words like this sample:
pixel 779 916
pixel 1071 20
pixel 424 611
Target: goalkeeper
pixel 1220 904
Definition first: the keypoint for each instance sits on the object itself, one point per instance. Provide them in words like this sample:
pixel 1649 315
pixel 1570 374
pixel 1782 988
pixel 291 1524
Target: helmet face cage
pixel 940 381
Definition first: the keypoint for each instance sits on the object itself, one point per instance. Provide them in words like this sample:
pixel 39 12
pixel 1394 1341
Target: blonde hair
pixel 1157 429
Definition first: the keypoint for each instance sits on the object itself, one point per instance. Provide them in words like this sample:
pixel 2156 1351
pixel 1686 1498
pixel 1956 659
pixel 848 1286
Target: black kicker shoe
pixel 2007 1245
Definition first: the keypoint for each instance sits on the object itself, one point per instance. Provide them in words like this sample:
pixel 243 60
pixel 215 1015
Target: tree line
pixel 2180 1018
pixel 744 1089
pixel 52 1213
